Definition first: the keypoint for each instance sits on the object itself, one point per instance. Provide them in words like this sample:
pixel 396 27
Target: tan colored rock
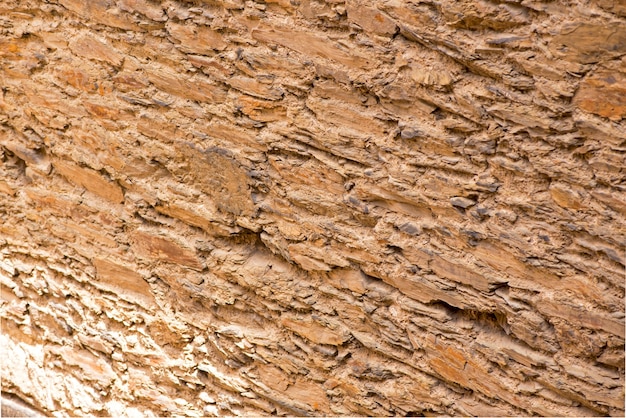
pixel 327 208
pixel 12 406
pixel 310 394
pixel 89 47
pixel 603 93
pixel 44 99
pixel 565 197
pixel 91 367
pixel 6 189
pixel 179 85
pixel 123 280
pixel 261 110
pixel 90 180
pixel 105 112
pixel 307 44
pixel 144 7
pixel 589 319
pixel 346 119
pixel 254 88
pixel 308 263
pixel 35 158
pixel 77 79
pixel 194 217
pixel 315 331
pixel 196 39
pixel 354 280
pixel 422 291
pixel 612 201
pixel 157 248
pixel 457 273
pixel 100 11
pixel 614 6
pixel 370 19
pixel 218 176
pixel 588 42
pixel 430 78
pixel 482 14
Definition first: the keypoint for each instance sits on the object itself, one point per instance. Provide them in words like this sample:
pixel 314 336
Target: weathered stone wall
pixel 313 207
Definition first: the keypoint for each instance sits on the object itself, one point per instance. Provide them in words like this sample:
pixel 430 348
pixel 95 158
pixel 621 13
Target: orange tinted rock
pixel 255 88
pixel 93 368
pixel 43 99
pixel 100 11
pixel 98 344
pixel 163 131
pixel 285 4
pixel 459 273
pixel 6 189
pixel 34 158
pixel 273 378
pixel 310 394
pixel 611 201
pixel 199 218
pixel 472 14
pixel 58 205
pixel 306 161
pixel 105 112
pixel 185 87
pixel 91 233
pixel 144 7
pixel 370 19
pixel 123 281
pixel 196 39
pixel 308 263
pixel 421 290
pixel 520 274
pixel 565 196
pixel 77 79
pixel 324 254
pixel 307 44
pixel 590 320
pixel 355 280
pixel 449 372
pixel 347 119
pixel 316 332
pixel 234 134
pixel 261 110
pixel 589 42
pixel 408 392
pixel 88 46
pixel 428 77
pixel 615 6
pixel 90 180
pixel 130 81
pixel 163 249
pixel 604 94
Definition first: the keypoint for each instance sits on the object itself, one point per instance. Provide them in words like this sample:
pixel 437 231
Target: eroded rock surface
pixel 313 207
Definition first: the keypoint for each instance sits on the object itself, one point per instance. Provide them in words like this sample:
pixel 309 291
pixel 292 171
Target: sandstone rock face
pixel 312 207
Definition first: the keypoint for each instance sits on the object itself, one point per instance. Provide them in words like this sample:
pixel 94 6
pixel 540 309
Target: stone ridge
pixel 228 207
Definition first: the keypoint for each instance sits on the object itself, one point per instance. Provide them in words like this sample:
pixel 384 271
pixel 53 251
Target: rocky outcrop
pixel 313 207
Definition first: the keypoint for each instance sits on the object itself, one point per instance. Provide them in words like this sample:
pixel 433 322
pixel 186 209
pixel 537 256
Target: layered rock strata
pixel 228 207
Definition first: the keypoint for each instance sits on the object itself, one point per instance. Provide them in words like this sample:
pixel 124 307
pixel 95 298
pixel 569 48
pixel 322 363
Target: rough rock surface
pixel 387 207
